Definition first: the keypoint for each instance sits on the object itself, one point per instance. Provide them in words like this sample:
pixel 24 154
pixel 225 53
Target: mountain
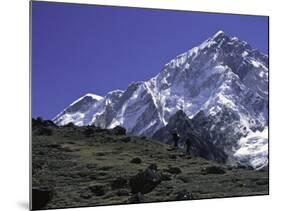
pixel 193 130
pixel 223 78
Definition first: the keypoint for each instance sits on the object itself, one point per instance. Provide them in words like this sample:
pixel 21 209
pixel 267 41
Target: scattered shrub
pixel 136 160
pixel 118 130
pixel 213 170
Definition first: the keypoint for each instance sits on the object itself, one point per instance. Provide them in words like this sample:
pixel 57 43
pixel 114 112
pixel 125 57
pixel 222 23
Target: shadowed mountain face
pixel 223 77
pixel 194 132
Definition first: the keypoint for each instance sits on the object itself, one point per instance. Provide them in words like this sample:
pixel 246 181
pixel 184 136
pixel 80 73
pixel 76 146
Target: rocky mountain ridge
pixel 223 78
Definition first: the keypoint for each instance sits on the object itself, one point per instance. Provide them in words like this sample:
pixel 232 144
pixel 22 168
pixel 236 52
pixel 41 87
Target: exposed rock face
pixel 145 181
pixel 223 77
pixel 195 132
pixel 40 197
pixel 119 130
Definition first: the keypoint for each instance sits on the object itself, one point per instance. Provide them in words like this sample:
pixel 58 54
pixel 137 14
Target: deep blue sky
pixel 77 49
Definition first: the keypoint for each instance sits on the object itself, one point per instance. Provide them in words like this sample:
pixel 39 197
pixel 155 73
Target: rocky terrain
pixel 88 166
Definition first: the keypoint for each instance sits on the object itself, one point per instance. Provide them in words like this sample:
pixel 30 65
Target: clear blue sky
pixel 79 49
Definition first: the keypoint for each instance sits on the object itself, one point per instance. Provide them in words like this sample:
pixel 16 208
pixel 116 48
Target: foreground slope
pixel 87 166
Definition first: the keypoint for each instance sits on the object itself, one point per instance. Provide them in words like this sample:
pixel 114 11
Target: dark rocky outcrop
pixel 213 170
pixel 145 181
pixel 194 130
pixel 39 122
pixel 40 197
pixel 136 160
pixel 118 130
pixel 70 124
pixel 42 127
pixel 184 195
pixel 173 170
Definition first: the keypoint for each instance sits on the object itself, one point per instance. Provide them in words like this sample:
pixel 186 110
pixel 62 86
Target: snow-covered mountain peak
pixel 223 78
pixel 215 40
pixel 93 96
pixel 218 34
pixel 89 97
pixel 115 93
pixel 75 112
pixel 213 50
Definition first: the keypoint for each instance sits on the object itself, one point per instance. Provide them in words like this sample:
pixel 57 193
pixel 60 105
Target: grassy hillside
pixel 87 166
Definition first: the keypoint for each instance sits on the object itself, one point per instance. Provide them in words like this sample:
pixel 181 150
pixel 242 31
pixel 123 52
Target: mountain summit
pixel 223 78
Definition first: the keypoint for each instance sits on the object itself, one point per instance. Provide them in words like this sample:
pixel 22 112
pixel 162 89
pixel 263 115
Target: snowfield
pixel 253 149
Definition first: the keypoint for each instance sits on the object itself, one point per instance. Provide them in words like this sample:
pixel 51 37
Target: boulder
pixel 40 197
pixel 100 154
pixel 118 130
pixel 145 181
pixel 98 190
pixel 213 170
pixel 136 160
pixel 173 170
pixel 183 195
pixel 70 124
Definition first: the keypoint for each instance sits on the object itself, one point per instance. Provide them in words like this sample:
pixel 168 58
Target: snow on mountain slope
pixel 80 110
pixel 223 77
pixel 253 149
